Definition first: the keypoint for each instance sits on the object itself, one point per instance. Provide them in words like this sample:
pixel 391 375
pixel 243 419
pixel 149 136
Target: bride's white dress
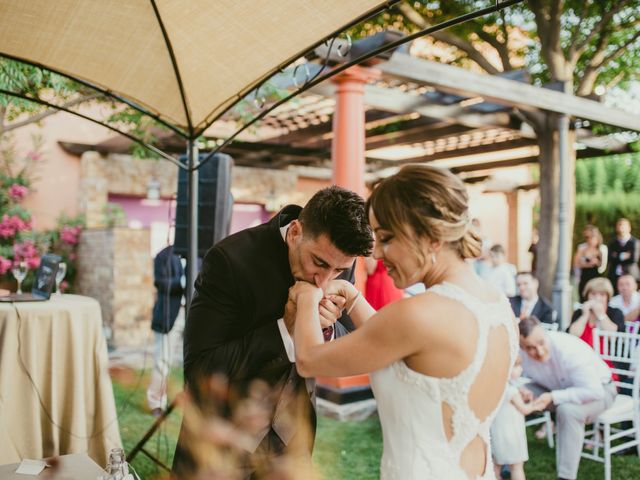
pixel 410 404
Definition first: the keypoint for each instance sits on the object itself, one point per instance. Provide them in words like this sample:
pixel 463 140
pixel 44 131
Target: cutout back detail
pixel 466 403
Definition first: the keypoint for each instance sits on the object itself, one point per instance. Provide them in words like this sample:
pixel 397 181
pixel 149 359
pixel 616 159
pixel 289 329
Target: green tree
pixel 41 84
pixel 582 177
pixel 37 83
pixel 599 178
pixel 577 43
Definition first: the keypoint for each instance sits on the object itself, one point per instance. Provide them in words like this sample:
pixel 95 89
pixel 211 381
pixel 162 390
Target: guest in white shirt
pixel 628 300
pixel 568 376
pixel 502 274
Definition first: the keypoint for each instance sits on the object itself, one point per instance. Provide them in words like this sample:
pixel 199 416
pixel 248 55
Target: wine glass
pixel 62 271
pixel 19 272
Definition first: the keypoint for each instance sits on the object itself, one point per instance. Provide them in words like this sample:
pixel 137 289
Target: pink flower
pixel 7 229
pixel 33 263
pixel 73 256
pixel 10 225
pixel 64 285
pixel 17 192
pixel 34 156
pixel 5 265
pixel 26 252
pixel 69 235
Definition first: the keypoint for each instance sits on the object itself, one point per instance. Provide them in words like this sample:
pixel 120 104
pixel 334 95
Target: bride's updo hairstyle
pixel 421 201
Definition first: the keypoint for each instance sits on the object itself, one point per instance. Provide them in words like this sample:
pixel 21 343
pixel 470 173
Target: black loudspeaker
pixel 215 204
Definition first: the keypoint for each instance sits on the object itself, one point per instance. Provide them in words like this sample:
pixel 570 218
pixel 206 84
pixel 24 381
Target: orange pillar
pixel 348 160
pixel 348 145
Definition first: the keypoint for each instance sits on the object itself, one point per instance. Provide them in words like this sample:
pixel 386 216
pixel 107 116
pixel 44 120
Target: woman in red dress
pixel 595 312
pixel 379 290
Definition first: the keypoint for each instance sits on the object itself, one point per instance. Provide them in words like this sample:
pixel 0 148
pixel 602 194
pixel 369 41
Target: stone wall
pixel 124 175
pixel 114 263
pixel 119 174
pixel 114 267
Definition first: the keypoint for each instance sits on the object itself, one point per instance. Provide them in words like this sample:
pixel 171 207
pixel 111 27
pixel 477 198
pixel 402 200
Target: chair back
pixel 550 327
pixel 631 327
pixel 622 350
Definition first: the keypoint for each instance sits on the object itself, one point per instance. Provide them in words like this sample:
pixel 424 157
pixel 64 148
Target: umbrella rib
pixel 176 70
pixel 237 97
pixel 434 28
pixel 104 91
pixel 155 150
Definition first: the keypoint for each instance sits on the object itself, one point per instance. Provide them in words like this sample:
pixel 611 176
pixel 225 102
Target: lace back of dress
pixel 471 398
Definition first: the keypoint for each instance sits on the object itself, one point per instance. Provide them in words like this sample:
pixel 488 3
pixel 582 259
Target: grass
pixel 343 450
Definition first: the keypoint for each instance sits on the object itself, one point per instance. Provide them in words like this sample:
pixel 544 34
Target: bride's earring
pixel 433 259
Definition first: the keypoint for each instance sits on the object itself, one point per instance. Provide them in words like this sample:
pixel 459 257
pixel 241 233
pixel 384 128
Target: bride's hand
pixel 303 289
pixel 341 288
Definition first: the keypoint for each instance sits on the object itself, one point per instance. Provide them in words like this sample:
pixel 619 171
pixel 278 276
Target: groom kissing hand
pixel 240 321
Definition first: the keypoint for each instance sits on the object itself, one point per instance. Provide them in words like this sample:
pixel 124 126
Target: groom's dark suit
pixel 231 326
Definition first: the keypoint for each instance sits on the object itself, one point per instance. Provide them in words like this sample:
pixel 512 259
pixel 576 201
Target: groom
pixel 239 324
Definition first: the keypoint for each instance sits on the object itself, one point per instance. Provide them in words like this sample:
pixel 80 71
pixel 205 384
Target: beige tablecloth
pixel 69 406
pixel 72 467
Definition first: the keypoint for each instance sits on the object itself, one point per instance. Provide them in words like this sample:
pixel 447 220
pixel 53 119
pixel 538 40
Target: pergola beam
pixel 503 91
pixel 396 101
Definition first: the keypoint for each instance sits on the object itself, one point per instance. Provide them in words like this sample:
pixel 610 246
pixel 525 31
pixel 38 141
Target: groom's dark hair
pixel 339 214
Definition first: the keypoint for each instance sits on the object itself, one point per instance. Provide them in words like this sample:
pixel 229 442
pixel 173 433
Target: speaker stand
pixel 139 447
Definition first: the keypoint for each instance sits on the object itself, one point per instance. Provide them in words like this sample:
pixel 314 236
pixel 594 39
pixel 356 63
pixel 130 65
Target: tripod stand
pixel 139 447
pixel 168 272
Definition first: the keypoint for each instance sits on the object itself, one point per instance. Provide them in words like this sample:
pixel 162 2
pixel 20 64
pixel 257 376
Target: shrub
pixel 19 242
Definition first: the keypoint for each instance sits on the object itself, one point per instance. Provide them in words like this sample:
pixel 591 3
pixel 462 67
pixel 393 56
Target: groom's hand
pixel 330 309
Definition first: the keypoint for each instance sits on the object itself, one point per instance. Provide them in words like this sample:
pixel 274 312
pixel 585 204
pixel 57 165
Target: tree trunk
pixel 548 228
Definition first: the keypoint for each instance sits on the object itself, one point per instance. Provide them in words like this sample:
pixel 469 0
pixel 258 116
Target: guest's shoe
pixel 157 412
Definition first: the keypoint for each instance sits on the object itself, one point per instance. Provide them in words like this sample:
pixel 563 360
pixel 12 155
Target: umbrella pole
pixel 192 186
pixel 192 271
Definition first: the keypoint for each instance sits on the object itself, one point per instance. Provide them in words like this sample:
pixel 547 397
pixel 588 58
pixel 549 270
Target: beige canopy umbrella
pixel 182 62
pixel 185 62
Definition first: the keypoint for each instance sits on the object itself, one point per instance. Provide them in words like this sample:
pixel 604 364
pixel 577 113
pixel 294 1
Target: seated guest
pixel 596 312
pixel 527 302
pixel 628 300
pixel 502 275
pixel 570 377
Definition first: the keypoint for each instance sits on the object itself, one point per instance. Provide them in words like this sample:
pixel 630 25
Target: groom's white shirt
pixel 284 333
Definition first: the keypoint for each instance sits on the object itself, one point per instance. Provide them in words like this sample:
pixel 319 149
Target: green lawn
pixel 343 450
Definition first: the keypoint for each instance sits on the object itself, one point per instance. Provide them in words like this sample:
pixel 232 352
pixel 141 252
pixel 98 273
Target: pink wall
pixel 247 215
pixel 492 211
pixel 159 215
pixel 55 188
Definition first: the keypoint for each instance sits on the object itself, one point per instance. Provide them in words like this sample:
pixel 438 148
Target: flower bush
pixel 19 241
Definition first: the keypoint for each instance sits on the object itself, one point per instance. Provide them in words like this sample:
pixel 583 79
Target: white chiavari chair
pixel 622 349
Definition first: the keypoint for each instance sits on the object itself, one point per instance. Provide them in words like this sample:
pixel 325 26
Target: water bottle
pixel 117 468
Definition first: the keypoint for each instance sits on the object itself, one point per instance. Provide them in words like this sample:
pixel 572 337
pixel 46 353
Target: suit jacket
pixel 542 309
pixel 629 265
pixel 231 326
pixel 167 273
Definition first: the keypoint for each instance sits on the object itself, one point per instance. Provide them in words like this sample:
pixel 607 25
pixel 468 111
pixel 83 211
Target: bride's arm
pixel 395 332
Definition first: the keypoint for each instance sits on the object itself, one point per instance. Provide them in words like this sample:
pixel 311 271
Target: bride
pixel 440 360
